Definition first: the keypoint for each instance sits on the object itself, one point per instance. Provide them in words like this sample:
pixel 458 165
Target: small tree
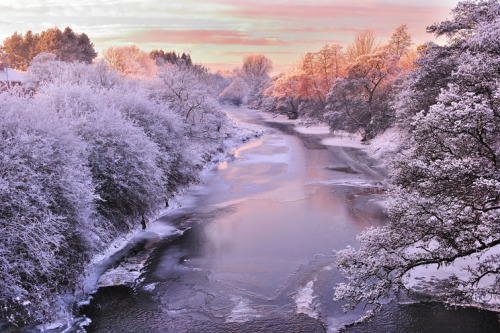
pixel 400 41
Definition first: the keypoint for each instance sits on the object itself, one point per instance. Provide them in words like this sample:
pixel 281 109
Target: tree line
pixel 19 50
pixel 348 89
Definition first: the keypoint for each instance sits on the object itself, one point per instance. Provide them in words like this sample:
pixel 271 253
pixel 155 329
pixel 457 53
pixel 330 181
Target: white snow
pixel 150 287
pixel 386 144
pixel 242 312
pixel 344 141
pixel 11 75
pixel 317 129
pixel 305 300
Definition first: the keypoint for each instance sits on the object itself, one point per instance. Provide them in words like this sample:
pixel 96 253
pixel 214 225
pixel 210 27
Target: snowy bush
pixel 46 196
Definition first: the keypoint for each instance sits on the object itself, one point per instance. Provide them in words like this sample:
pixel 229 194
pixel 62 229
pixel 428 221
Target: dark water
pixel 256 255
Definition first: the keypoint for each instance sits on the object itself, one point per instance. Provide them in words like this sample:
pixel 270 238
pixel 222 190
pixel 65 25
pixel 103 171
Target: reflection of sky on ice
pixel 266 213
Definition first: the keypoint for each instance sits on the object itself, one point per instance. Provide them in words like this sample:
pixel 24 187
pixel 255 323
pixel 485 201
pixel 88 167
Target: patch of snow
pixel 351 140
pixel 50 326
pixel 317 129
pixel 150 287
pixel 278 118
pixel 305 301
pixel 386 144
pixel 242 312
pixel 162 229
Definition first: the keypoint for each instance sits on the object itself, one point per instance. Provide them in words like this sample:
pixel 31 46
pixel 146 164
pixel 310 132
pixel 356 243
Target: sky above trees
pixel 221 32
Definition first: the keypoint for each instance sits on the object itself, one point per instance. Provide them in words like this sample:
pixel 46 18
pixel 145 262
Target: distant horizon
pixel 219 33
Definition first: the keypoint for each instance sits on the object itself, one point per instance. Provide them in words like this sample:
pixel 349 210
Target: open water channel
pixel 250 250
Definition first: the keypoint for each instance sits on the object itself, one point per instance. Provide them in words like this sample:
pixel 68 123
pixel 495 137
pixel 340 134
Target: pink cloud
pixel 217 37
pixel 245 53
pixel 251 10
pixel 316 41
pixel 317 29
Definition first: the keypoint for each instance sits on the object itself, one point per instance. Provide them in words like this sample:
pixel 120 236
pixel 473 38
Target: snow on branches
pixel 82 160
pixel 445 193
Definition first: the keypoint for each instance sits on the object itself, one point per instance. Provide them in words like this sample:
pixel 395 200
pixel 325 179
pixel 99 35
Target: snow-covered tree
pixel 445 192
pixel 236 93
pixel 130 61
pixel 284 94
pixel 358 102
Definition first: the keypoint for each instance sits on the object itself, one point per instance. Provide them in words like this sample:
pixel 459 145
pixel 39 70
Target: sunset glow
pixel 219 33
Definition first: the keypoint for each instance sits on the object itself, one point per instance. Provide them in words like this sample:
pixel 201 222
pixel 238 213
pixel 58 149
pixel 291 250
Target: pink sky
pixel 220 32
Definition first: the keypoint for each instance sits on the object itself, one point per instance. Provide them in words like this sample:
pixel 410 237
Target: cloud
pixel 216 37
pixel 350 30
pixel 245 53
pixel 317 41
pixel 250 10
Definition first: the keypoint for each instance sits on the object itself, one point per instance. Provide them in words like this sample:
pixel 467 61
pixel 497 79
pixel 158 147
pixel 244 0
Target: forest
pixel 108 139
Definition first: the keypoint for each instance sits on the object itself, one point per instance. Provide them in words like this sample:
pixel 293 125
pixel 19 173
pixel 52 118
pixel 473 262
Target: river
pixel 250 249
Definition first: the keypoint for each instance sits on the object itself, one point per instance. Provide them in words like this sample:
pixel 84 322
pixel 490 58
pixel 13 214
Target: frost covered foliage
pixel 46 200
pixel 236 93
pixel 446 185
pixel 359 101
pixel 247 84
pixel 423 85
pixel 82 161
pixel 350 90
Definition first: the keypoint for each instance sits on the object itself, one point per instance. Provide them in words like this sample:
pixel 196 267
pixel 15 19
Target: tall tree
pixel 364 43
pixel 445 193
pixel 320 69
pixel 51 41
pixel 15 51
pixel 400 41
pixel 359 102
pixel 256 66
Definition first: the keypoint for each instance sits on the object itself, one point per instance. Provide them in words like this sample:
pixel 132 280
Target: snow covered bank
pixel 385 145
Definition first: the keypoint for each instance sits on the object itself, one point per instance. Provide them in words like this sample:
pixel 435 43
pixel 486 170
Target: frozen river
pixel 255 254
